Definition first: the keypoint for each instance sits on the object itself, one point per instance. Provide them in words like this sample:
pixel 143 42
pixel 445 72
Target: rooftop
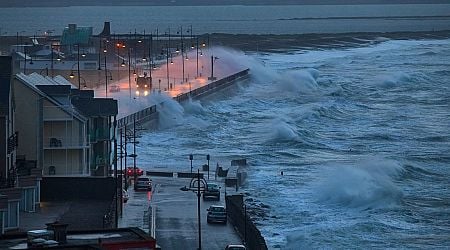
pixel 87 239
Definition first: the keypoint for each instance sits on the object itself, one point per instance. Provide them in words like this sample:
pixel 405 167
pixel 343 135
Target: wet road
pixel 176 216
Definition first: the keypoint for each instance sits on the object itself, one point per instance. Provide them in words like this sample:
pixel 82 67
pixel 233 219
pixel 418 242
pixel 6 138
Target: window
pixel 2 229
pixel 38 192
pixel 12 215
pixel 27 203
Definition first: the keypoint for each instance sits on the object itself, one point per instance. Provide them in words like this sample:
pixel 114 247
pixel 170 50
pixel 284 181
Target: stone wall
pixel 237 215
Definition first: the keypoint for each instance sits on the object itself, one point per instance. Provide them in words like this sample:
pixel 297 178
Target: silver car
pixel 217 214
pixel 143 183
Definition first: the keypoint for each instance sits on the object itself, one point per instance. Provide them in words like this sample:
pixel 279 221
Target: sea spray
pixel 170 111
pixel 368 184
pixel 393 80
pixel 299 81
pixel 193 107
pixel 238 60
pixel 282 131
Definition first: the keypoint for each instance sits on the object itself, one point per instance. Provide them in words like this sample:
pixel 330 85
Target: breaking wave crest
pixel 300 81
pixel 394 80
pixel 282 131
pixel 193 107
pixel 371 184
pixel 170 112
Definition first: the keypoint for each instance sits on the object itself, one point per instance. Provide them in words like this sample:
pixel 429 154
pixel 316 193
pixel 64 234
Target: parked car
pixel 235 247
pixel 114 88
pixel 212 191
pixel 130 171
pixel 216 214
pixel 125 196
pixel 143 183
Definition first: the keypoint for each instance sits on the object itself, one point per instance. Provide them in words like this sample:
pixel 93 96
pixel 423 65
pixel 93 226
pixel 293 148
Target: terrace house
pixel 19 178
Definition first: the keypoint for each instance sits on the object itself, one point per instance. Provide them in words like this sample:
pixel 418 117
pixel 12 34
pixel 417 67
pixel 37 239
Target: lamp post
pixel 167 63
pixel 105 50
pixel 25 62
pixel 51 62
pixel 72 76
pixel 197 57
pixel 191 157
pixel 125 155
pixel 197 185
pixel 150 58
pixel 121 172
pixel 106 78
pixel 182 53
pixel 78 67
pixel 198 211
pixel 129 69
pixel 207 158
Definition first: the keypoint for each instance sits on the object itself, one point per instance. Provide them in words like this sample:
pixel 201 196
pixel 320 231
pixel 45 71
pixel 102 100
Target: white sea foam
pixel 280 130
pixel 299 81
pixel 193 107
pixel 394 79
pixel 170 111
pixel 368 184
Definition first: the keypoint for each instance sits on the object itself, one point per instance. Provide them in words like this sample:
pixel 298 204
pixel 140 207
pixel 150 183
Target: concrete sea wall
pixel 148 117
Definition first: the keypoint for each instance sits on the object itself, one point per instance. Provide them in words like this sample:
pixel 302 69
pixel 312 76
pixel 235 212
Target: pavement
pixel 176 221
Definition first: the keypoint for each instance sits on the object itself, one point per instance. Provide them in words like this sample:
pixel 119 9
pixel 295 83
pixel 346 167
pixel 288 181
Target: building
pixel 70 132
pixel 19 178
pixel 56 237
pixel 56 133
pixel 102 113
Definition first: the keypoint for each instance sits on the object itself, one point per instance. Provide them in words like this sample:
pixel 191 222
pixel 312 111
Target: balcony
pixel 99 135
pixel 63 143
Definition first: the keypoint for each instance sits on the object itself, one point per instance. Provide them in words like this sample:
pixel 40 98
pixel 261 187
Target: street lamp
pixel 182 52
pixel 191 157
pixel 197 185
pixel 106 77
pixel 167 61
pixel 78 67
pixel 72 76
pixel 207 158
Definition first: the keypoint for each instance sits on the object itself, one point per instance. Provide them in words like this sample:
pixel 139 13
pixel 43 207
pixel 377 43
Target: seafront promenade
pixel 175 216
pixel 167 213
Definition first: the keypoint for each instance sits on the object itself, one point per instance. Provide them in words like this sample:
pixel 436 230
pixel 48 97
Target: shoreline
pixel 277 43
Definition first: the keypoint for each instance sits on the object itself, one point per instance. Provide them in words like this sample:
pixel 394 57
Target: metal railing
pixel 147 112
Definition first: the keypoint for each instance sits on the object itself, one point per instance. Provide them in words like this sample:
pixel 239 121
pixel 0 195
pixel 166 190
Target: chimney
pixel 59 231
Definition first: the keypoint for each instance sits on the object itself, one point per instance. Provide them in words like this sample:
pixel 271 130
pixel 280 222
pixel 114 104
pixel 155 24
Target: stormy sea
pixel 360 134
pixel 360 130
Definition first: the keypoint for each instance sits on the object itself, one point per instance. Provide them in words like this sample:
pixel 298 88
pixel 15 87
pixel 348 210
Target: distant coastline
pixel 69 3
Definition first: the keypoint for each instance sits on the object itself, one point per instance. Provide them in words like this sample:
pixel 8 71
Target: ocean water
pixel 294 19
pixel 361 135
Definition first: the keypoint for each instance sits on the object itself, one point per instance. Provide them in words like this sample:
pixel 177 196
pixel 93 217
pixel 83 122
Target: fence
pixel 224 82
pixel 142 115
